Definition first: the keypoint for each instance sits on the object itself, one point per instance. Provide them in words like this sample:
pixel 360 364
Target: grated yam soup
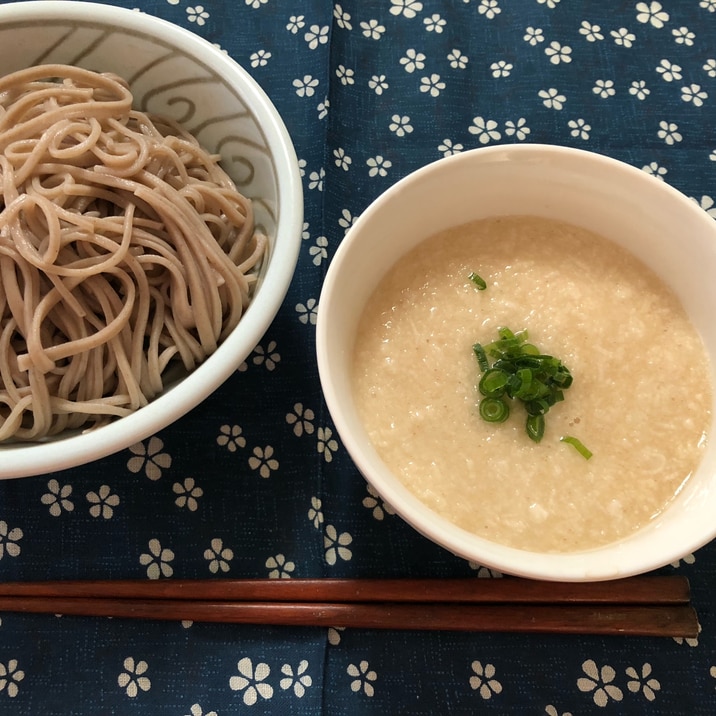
pixel 640 401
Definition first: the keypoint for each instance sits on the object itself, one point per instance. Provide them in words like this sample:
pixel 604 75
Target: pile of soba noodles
pixel 124 250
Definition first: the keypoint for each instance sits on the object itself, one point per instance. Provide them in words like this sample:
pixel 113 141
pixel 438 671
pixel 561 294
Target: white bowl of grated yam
pixel 517 347
pixel 150 221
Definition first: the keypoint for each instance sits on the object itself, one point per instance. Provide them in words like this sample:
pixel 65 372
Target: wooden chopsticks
pixel 645 606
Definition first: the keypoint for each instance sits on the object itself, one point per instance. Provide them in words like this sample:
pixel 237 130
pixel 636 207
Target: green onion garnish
pixel 535 427
pixel 578 445
pixel 493 382
pixel 481 356
pixel 494 410
pixel 478 281
pixel 520 372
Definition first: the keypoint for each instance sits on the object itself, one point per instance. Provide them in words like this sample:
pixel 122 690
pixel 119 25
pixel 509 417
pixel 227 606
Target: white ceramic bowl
pixel 658 224
pixel 174 72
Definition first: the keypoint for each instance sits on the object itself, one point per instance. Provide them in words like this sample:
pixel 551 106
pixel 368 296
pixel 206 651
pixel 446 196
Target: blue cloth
pixel 255 481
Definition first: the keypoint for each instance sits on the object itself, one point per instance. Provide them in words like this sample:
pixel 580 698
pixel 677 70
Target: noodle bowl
pixel 124 250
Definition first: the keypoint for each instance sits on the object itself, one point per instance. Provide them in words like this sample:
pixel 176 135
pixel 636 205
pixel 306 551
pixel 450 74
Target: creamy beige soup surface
pixel 640 400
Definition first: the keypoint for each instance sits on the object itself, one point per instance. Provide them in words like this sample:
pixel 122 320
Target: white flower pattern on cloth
pixel 260 58
pixel 623 37
pixel 552 99
pixel 642 681
pixel 376 504
pixel 485 130
pixel 102 502
pixel 655 170
pixel 533 35
pixel 669 132
pixel 326 444
pixel 132 679
pixel 558 53
pixel 483 680
pixel 297 681
pixel 484 572
pixel 599 681
pixel 149 456
pixel 378 84
pixel 316 179
pixel 251 681
pixel 639 89
pixel 407 8
pixel 433 84
pixel 591 32
pixel 334 635
pixel 218 556
pixel 579 128
pixel 268 356
pixel 552 711
pixel 231 437
pixel 263 461
pixel 378 165
pixel 336 545
pixel 279 567
pixel 319 251
pixel 308 312
pixel 302 420
pixel 10 678
pixel 652 13
pixel 9 539
pixel 400 125
pixel 306 86
pixel 447 147
pixel 501 69
pixel 197 14
pixel 670 72
pixel 413 60
pixel 342 160
pixel 188 494
pixel 708 204
pixel 315 514
pixel 157 560
pixel 604 88
pixel 196 710
pixel 695 94
pixel 295 23
pixel 58 498
pixel 489 8
pixel 519 129
pixel 363 677
pixel 683 36
pixel 316 36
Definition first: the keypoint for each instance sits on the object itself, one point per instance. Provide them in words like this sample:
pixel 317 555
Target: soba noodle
pixel 124 249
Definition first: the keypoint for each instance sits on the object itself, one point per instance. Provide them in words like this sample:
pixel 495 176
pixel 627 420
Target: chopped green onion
pixel 535 427
pixel 563 379
pixel 494 410
pixel 481 356
pixel 478 281
pixel 557 396
pixel 537 407
pixel 520 383
pixel 493 382
pixel 520 371
pixel 578 445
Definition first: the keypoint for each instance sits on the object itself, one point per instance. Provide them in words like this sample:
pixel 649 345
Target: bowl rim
pixel 24 460
pixel 571 566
